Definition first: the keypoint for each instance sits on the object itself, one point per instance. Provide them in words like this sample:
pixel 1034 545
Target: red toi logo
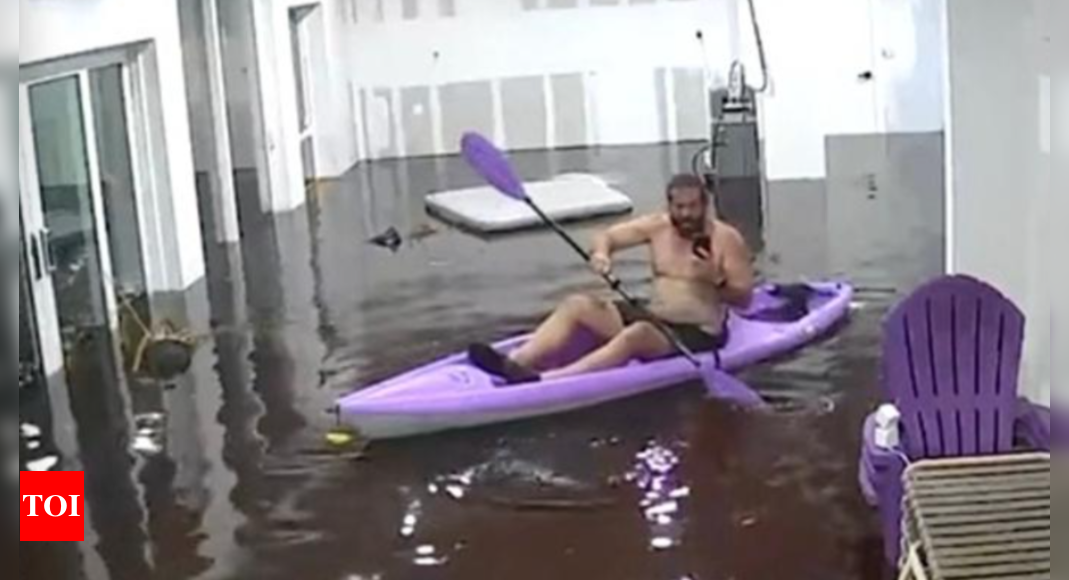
pixel 53 506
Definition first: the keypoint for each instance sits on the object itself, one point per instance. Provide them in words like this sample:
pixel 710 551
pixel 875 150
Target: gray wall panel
pixel 524 104
pixel 416 121
pixel 691 104
pixel 466 107
pixel 569 104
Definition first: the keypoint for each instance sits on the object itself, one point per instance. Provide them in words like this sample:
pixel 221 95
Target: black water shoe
pixel 489 360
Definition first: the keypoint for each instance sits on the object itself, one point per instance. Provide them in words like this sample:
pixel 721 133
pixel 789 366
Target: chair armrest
pixel 880 468
pixel 882 473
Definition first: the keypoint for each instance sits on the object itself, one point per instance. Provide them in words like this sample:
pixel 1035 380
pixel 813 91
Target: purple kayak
pixel 453 394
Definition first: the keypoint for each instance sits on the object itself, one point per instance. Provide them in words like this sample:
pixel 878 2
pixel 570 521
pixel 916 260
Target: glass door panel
pixel 119 200
pixel 117 180
pixel 73 235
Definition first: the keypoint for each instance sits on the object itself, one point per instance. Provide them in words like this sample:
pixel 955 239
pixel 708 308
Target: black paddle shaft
pixel 618 286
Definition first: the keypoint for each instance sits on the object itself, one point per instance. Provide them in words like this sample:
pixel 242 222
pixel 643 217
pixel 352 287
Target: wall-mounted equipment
pixel 732 162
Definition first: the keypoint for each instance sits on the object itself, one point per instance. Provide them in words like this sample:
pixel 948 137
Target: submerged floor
pixel 667 486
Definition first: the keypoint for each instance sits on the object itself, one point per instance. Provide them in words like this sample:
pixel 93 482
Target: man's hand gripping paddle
pixel 490 163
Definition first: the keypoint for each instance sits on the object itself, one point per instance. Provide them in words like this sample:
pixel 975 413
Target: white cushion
pixel 566 198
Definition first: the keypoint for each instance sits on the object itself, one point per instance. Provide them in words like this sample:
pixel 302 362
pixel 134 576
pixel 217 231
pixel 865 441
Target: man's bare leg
pixel 639 341
pixel 575 313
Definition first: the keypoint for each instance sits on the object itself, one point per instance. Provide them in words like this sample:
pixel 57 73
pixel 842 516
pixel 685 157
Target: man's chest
pixel 675 257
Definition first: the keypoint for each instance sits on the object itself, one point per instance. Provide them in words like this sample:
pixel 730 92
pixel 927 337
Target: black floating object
pixel 390 239
pixel 168 359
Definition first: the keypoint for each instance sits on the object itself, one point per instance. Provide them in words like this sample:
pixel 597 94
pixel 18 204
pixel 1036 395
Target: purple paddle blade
pixel 721 385
pixel 492 164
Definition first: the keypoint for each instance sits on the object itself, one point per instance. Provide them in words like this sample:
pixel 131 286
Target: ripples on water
pixel 227 477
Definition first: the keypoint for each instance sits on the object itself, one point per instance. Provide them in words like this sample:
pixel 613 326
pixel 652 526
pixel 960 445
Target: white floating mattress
pixel 566 198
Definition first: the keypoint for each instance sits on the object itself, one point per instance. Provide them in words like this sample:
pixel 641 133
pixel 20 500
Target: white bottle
pixel 888 419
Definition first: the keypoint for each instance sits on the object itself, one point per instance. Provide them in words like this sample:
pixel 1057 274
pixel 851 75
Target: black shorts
pixel 692 336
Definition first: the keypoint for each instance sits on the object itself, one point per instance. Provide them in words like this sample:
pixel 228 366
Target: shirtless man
pixel 701 267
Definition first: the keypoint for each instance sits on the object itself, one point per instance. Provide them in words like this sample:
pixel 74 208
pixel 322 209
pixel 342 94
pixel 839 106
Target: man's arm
pixel 624 236
pixel 739 276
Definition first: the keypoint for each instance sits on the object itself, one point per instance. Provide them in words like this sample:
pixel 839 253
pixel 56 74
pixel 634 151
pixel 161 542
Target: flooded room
pixel 659 289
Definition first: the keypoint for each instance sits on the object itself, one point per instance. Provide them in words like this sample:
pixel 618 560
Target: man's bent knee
pixel 583 303
pixel 641 333
pixel 644 339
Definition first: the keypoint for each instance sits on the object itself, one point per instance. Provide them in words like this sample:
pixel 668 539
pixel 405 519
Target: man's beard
pixel 689 228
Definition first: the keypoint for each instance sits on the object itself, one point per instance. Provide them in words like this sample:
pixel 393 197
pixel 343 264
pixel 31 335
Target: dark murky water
pixel 236 482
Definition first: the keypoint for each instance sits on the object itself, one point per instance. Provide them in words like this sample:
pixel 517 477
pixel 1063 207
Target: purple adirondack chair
pixel 952 354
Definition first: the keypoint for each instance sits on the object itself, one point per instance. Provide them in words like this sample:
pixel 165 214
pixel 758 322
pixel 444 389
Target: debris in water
pixel 340 438
pixel 390 239
pixel 151 434
pixel 422 232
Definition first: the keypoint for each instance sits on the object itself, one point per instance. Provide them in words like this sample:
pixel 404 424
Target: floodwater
pixel 234 481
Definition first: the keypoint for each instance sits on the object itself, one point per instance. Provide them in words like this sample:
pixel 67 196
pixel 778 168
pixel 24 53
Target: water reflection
pixel 656 476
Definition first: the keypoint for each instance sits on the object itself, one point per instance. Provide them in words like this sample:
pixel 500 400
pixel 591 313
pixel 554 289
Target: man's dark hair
pixel 686 181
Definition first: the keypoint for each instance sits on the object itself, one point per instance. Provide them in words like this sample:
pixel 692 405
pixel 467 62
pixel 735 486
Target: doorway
pixel 302 20
pixel 90 143
pixel 82 242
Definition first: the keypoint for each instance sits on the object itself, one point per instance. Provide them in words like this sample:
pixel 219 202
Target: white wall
pixel 910 40
pixel 1058 237
pixel 59 28
pixel 271 143
pixel 241 79
pixel 999 196
pixel 333 110
pixel 279 101
pixel 1044 241
pixel 9 48
pixel 203 55
pixel 816 51
pixel 616 49
pixel 8 206
pixel 9 30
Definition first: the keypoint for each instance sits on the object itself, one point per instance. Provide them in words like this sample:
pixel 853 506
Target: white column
pixel 9 226
pixel 228 228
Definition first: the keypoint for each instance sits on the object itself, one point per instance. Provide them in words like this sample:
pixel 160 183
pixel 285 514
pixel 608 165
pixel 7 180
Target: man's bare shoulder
pixel 729 234
pixel 655 222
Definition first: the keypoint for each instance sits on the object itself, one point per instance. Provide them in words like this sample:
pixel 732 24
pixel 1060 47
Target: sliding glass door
pixel 72 236
pixel 117 187
pixel 83 246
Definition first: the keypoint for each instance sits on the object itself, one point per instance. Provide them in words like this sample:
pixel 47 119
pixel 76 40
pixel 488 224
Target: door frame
pixel 300 18
pixel 147 140
pixel 35 246
pixel 145 169
pixel 30 192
